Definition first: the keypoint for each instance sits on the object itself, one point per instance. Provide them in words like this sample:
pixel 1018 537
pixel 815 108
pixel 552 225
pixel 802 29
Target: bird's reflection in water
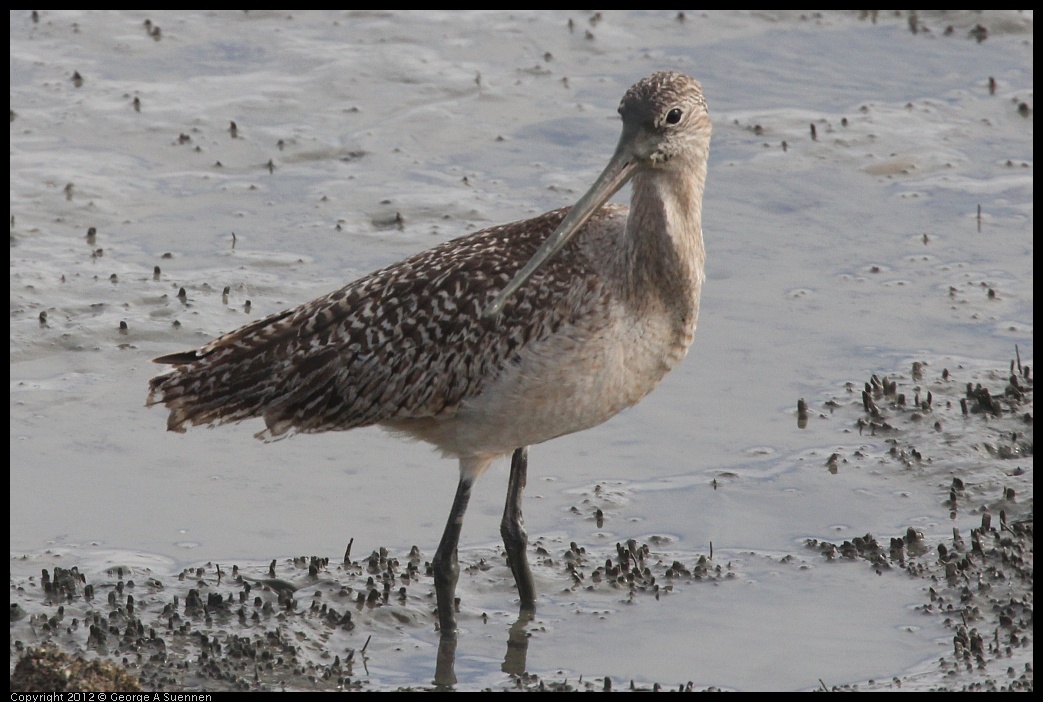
pixel 518 643
pixel 513 660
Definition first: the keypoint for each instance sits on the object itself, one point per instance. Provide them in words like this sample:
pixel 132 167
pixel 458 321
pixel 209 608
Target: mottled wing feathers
pixel 406 341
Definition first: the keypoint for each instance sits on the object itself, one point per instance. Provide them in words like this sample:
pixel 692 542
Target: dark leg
pixel 444 565
pixel 515 540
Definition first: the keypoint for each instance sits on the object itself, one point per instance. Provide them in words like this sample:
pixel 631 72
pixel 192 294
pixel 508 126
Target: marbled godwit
pixel 494 341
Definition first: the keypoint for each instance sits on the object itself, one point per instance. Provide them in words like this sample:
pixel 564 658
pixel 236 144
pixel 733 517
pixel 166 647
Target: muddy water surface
pixel 869 206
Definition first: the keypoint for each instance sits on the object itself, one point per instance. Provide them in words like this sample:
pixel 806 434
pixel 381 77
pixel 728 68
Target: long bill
pixel 619 170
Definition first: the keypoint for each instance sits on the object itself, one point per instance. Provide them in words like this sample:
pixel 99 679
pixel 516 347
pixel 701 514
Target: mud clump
pixel 47 669
pixel 980 582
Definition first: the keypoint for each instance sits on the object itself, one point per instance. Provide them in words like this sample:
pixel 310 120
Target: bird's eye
pixel 674 116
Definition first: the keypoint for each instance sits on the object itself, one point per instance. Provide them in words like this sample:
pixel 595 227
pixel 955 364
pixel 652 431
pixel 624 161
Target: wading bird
pixel 491 342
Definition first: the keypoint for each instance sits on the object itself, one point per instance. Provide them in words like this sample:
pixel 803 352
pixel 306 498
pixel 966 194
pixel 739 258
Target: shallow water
pixel 831 259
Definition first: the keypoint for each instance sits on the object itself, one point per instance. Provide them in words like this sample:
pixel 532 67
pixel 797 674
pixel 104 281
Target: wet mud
pixel 316 623
pixel 773 512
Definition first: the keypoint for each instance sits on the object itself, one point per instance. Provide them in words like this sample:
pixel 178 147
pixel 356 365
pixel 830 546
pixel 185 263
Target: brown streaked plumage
pixel 494 341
